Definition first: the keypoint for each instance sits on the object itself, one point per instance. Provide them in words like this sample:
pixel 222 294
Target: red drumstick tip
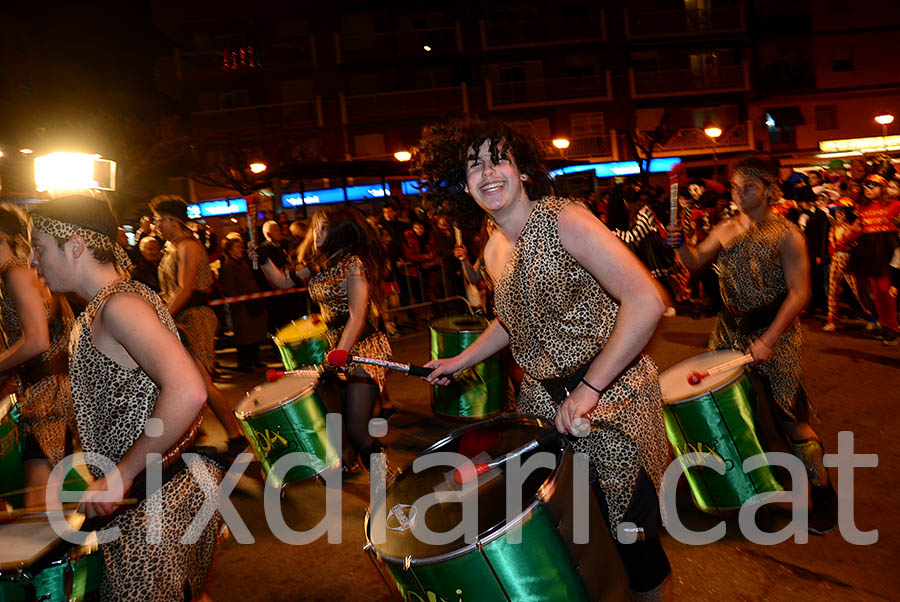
pixel 466 473
pixel 695 378
pixel 337 357
pixel 273 374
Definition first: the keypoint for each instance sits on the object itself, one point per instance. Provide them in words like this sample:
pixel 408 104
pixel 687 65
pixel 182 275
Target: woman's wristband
pixel 590 386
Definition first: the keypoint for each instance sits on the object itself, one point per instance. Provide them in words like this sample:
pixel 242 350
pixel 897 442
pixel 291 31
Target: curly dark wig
pixel 440 159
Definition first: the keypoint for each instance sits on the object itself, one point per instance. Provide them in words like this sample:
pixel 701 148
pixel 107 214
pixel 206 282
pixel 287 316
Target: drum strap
pixel 751 321
pixel 559 388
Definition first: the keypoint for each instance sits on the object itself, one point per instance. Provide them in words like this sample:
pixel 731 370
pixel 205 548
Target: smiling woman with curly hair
pixel 576 308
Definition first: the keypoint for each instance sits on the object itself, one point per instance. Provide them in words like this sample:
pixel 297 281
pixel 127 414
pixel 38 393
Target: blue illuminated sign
pixel 409 187
pixel 217 208
pixel 336 195
pixel 620 168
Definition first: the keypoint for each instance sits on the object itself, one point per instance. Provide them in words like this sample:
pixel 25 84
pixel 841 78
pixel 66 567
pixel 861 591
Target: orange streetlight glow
pixel 884 119
pixel 713 131
pixel 403 155
pixel 561 143
pixel 258 167
pixel 25 151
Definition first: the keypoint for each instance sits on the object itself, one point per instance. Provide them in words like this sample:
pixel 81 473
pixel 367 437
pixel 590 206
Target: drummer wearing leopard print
pixel 576 308
pixel 136 395
pixel 764 277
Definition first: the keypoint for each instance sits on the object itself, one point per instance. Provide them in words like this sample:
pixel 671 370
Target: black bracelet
pixel 590 386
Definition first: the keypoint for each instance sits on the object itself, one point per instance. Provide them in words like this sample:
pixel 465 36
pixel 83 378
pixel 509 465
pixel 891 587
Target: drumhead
pixel 674 385
pixel 271 396
pixel 459 324
pixel 493 438
pixel 301 329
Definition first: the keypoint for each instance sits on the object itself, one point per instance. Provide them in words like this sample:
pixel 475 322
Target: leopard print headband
pixel 91 238
pixel 760 174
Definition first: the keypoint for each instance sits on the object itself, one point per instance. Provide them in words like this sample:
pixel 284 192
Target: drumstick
pixel 696 377
pixel 673 200
pixel 467 472
pixel 31 514
pixel 272 374
pixel 340 358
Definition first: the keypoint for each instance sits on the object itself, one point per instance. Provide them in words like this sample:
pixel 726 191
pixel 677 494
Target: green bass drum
pixel 479 391
pixel 715 417
pixel 530 558
pixel 288 416
pixel 302 342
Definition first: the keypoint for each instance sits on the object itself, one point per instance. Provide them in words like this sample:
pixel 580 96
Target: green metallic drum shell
pixel 298 351
pixel 479 391
pixel 719 422
pixel 294 425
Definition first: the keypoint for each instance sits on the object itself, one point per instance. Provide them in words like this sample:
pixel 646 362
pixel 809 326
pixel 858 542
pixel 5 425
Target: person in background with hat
pixel 877 244
pixel 841 239
pixel 186 283
pixel 764 281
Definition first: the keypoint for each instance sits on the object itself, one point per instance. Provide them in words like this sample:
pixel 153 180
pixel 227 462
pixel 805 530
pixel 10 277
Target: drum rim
pixel 431 325
pixel 493 534
pixel 741 372
pixel 242 415
pixel 278 339
pixel 6 404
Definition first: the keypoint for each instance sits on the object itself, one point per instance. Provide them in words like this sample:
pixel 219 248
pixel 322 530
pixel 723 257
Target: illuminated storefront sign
pixel 335 195
pixel 859 144
pixel 216 208
pixel 619 168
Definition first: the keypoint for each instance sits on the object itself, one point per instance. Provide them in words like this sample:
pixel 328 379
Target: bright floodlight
pixel 427 48
pixel 73 171
pixel 25 151
pixel 258 167
pixel 403 155
pixel 884 119
pixel 713 131
pixel 560 143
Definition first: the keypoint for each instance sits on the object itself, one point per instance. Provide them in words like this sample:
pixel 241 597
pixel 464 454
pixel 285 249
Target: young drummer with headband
pixel 136 392
pixel 764 278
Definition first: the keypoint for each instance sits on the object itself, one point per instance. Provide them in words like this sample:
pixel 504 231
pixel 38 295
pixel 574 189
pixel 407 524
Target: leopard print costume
pixel 559 318
pixel 751 276
pixel 199 324
pixel 328 288
pixel 112 405
pixel 46 405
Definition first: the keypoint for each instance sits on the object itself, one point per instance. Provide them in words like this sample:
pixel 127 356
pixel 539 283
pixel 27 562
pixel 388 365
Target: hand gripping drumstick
pixel 467 472
pixel 696 377
pixel 340 358
pixel 272 374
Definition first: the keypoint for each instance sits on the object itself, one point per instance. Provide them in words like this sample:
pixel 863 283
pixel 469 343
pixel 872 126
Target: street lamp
pixel 403 156
pixel 561 143
pixel 258 167
pixel 884 120
pixel 713 132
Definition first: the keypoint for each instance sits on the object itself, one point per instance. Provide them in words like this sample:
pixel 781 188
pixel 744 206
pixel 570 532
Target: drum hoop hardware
pixel 688 399
pixel 369 551
pixel 487 561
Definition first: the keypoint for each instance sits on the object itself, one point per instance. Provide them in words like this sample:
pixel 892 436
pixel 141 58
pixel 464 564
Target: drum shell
pixel 546 566
pixel 294 426
pixel 48 579
pixel 479 391
pixel 12 475
pixel 720 422
pixel 297 353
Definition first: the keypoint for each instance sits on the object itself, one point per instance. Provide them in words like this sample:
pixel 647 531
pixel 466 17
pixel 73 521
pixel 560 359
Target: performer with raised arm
pixel 576 308
pixel 136 392
pixel 764 280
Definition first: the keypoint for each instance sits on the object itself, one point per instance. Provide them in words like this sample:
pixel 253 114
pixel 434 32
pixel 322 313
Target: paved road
pixel 854 383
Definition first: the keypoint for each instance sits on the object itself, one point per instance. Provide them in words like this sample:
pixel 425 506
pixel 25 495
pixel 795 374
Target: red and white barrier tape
pixel 251 296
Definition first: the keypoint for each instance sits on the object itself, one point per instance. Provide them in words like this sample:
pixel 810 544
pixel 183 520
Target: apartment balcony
pixel 600 147
pixel 396 45
pixel 258 120
pixel 689 82
pixel 543 32
pixel 553 91
pixel 404 105
pixel 693 141
pixel 647 25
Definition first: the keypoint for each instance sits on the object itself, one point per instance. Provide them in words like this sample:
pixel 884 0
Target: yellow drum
pixel 302 342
